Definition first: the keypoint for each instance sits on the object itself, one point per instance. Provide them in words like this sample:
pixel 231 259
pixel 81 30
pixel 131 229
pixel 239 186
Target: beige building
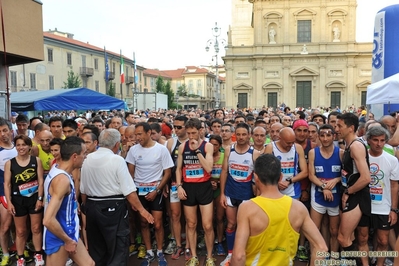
pixel 21 41
pixel 62 53
pixel 301 52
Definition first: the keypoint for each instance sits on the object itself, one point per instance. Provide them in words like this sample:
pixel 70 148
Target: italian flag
pixel 122 72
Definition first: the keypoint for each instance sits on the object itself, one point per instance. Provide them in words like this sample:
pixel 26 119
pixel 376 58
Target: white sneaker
pixel 39 261
pixel 226 261
pixel 69 262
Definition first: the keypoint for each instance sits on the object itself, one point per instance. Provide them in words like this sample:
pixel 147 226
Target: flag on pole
pixel 136 78
pixel 106 65
pixel 122 72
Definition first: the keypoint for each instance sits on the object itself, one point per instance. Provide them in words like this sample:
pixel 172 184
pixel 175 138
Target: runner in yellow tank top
pixel 267 229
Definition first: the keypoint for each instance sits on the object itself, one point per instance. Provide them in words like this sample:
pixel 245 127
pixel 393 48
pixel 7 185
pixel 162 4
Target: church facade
pixel 299 52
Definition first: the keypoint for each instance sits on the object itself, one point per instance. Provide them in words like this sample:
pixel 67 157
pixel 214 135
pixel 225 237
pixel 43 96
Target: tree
pixel 182 90
pixel 111 90
pixel 73 80
pixel 171 96
pixel 160 85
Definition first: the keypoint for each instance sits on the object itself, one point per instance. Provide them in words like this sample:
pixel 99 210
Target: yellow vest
pixel 277 244
pixel 46 158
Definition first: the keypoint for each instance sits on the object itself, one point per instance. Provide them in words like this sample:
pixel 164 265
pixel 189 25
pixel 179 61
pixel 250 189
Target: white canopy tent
pixel 383 96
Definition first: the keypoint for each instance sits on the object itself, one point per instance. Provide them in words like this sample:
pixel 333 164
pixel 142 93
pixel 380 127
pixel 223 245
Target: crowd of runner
pixel 156 183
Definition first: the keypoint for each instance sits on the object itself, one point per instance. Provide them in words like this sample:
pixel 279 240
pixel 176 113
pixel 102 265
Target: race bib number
pixel 288 168
pixel 376 195
pixel 29 188
pixel 145 188
pixel 239 172
pixel 173 189
pixel 194 171
pixel 216 171
pixel 344 180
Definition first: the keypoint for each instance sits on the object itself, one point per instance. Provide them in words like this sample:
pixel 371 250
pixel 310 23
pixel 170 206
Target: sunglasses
pixel 178 127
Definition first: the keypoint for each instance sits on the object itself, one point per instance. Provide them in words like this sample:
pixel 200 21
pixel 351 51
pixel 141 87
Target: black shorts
pixel 376 221
pixel 361 198
pixel 198 193
pixel 25 205
pixel 155 205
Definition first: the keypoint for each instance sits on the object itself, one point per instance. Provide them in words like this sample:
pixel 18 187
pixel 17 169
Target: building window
pixel 32 80
pixel 304 31
pixel 272 99
pixel 51 82
pixel 113 67
pixel 13 77
pixel 335 98
pixel 50 55
pixel 69 59
pixel 178 84
pixel 96 63
pixel 363 98
pixel 242 75
pixel 242 100
pixel 304 94
pixel 199 83
pixel 83 61
pixel 190 85
pixel 97 84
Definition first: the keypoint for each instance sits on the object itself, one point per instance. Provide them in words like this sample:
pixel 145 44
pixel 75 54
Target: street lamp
pixel 215 43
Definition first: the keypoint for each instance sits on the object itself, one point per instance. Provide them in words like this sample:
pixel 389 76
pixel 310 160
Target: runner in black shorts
pixel 355 180
pixel 194 166
pixel 23 183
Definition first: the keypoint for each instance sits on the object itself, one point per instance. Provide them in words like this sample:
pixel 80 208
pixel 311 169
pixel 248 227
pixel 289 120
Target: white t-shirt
pixel 382 169
pixel 149 162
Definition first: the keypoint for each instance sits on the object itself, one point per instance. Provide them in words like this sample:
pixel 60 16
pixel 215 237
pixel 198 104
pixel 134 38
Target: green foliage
pixel 73 80
pixel 111 90
pixel 182 90
pixel 193 96
pixel 168 91
pixel 160 85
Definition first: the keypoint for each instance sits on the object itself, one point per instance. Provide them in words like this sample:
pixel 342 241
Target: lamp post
pixel 215 43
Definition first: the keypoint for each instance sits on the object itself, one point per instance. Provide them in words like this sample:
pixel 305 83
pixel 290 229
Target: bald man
pixel 291 155
pixel 128 140
pixel 43 150
pixel 275 131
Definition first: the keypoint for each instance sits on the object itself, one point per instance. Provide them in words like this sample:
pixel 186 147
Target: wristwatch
pixel 323 186
pixel 197 151
pixel 346 191
pixel 40 198
pixel 158 191
pixel 395 211
pixel 289 179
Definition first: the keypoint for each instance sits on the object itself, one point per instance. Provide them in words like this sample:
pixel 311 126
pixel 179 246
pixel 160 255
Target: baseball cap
pixel 14 114
pixel 299 123
pixel 364 112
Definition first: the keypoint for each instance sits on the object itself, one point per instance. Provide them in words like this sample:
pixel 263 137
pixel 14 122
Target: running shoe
pixel 178 251
pixel 69 262
pixel 226 261
pixel 21 262
pixel 28 257
pixel 187 254
pixel 142 252
pixel 170 249
pixel 301 254
pixel 220 250
pixel 210 262
pixel 5 260
pixel 132 249
pixel 147 260
pixel 161 260
pixel 39 261
pixel 192 262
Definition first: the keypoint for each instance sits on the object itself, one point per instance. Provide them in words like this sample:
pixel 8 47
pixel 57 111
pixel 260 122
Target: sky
pixel 163 34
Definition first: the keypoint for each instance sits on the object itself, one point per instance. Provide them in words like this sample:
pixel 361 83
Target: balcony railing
pixel 86 71
pixel 111 75
pixel 129 80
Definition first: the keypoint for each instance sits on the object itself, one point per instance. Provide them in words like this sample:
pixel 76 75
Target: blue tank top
pixel 240 174
pixel 325 170
pixel 67 215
